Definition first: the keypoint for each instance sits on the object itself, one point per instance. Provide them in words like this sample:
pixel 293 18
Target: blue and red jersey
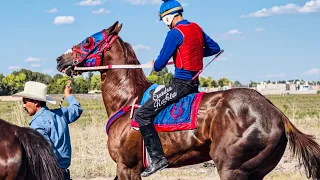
pixel 174 41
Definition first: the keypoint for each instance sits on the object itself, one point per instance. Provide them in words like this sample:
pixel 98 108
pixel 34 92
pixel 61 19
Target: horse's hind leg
pixel 271 161
pixel 126 173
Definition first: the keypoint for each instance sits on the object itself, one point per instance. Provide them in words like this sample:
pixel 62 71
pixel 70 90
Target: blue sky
pixel 263 40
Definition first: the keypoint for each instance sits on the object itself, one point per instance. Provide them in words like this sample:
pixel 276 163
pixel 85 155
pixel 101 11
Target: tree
pixel 59 86
pixel 95 82
pixel 80 85
pixel 203 82
pixel 207 82
pixel 253 84
pixel 2 90
pixel 214 83
pixel 162 77
pixel 223 82
pixel 13 83
pixel 236 84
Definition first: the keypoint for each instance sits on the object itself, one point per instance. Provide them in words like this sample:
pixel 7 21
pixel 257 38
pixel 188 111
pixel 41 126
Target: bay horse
pixel 239 129
pixel 25 154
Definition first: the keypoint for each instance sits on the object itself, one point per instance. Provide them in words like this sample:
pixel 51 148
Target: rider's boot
pixel 154 147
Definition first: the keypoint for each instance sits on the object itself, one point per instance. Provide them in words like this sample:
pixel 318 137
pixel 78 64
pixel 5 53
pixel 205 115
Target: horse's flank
pixel 25 154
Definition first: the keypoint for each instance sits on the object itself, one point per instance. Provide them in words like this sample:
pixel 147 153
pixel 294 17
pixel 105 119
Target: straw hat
pixel 36 91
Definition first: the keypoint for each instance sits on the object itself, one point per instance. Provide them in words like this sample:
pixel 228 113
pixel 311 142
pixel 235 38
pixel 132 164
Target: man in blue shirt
pixel 187 44
pixel 52 124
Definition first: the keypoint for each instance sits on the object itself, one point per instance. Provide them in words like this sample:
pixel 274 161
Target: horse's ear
pixel 114 29
pixel 118 29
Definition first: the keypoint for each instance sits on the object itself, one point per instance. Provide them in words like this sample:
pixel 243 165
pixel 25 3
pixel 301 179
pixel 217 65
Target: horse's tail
pixel 41 160
pixel 305 148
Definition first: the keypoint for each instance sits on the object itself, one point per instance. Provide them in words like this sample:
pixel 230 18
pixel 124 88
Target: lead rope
pixel 69 84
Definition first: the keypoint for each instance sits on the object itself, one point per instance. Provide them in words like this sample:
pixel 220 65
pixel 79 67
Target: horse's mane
pixel 138 74
pixel 126 84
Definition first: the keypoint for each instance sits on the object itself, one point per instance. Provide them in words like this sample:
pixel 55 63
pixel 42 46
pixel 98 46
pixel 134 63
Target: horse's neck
pixel 120 87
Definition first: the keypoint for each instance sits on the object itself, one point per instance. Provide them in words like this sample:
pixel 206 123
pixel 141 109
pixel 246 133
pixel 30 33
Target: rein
pixel 126 66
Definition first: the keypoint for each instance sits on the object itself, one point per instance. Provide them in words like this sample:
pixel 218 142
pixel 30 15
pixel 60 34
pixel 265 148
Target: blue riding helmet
pixel 170 7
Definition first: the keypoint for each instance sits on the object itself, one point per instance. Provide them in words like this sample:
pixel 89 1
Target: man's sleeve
pixel 173 40
pixel 210 46
pixel 73 111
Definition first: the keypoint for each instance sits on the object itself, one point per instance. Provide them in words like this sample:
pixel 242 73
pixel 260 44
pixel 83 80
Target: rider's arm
pixel 173 40
pixel 210 46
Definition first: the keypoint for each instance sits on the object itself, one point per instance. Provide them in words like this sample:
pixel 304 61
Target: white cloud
pixel 280 75
pixel 35 65
pixel 32 59
pixel 53 10
pixel 14 67
pixel 234 32
pixel 47 71
pixel 259 29
pixel 91 2
pixel 143 2
pixel 311 6
pixel 313 71
pixel 63 20
pixel 101 11
pixel 142 47
pixel 231 34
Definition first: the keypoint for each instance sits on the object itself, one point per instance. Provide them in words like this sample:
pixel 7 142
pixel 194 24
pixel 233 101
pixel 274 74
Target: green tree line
pixel 15 81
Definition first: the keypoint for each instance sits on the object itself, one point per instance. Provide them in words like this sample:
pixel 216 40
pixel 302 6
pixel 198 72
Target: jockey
pixel 187 44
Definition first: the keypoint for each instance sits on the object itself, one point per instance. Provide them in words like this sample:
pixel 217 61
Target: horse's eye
pixel 88 42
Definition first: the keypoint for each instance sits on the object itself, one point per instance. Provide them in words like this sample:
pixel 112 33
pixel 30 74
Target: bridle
pixel 102 46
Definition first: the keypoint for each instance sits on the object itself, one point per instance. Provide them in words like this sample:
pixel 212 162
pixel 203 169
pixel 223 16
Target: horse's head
pixel 100 49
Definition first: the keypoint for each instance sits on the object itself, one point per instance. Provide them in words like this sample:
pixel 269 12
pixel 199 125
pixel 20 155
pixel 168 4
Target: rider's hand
pixel 67 91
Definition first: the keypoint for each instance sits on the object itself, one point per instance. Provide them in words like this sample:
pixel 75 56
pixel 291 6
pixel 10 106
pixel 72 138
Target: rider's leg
pixel 146 114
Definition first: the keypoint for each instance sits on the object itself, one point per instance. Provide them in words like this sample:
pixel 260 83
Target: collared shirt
pixel 172 42
pixel 53 125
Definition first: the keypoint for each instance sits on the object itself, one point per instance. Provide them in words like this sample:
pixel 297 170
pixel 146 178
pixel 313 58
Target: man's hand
pixel 67 91
pixel 152 62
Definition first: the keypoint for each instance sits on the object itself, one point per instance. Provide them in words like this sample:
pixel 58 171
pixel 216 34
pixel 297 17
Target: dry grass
pixel 90 158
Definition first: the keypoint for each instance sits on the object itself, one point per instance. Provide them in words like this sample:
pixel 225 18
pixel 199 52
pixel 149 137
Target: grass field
pixel 89 141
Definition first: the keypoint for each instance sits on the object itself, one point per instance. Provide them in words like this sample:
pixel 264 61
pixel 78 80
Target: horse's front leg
pixel 124 172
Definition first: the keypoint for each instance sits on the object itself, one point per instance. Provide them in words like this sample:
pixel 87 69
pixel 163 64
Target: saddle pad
pixel 178 116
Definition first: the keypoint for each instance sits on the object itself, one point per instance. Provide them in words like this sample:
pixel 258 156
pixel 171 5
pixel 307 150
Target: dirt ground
pixel 287 169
